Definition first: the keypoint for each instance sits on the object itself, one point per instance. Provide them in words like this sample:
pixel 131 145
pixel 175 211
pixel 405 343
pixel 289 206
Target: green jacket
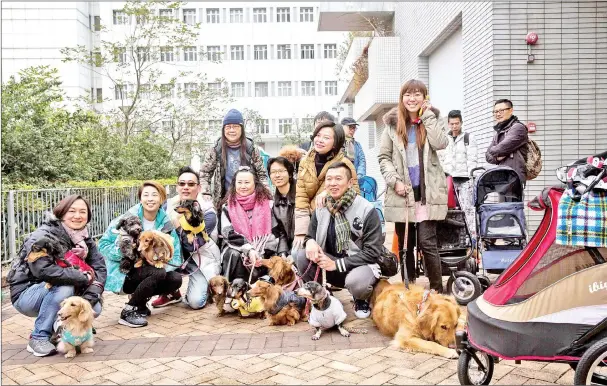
pixel 108 246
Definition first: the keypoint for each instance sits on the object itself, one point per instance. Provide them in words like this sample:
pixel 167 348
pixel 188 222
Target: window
pixel 166 14
pixel 330 51
pixel 143 54
pixel 189 16
pixel 284 51
pixel 213 15
pixel 97 23
pixel 214 53
pixel 142 19
pixel 238 89
pixel 307 51
pixel 237 52
pixel 236 15
pixel 284 89
pixel 122 91
pixel 261 52
pixel 167 125
pixel 190 54
pixel 97 58
pixel 166 54
pixel 263 126
pixel 259 15
pixel 215 125
pixel 120 55
pixel 99 95
pixel 284 125
pixel 308 89
pixel 121 18
pixel 214 86
pixel 189 88
pixel 261 89
pixel 306 14
pixel 283 15
pixel 167 91
pixel 307 124
pixel 144 91
pixel 331 87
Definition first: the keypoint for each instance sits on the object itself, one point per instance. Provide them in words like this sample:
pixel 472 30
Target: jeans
pixel 43 304
pixel 196 294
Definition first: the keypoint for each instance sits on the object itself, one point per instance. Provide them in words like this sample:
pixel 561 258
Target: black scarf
pixel 320 160
pixel 502 125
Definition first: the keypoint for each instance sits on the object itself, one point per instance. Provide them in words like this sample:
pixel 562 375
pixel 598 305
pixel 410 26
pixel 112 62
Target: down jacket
pixel 309 185
pixel 23 274
pixel 212 172
pixel 393 166
pixel 458 159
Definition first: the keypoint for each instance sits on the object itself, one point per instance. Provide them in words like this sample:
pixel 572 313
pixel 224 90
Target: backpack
pixel 533 164
pixel 466 139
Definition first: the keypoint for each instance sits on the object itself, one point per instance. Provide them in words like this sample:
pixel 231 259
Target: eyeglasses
pixel 279 171
pixel 495 112
pixel 190 184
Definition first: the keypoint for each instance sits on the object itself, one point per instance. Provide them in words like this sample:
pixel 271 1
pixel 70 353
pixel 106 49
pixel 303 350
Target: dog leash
pixel 403 271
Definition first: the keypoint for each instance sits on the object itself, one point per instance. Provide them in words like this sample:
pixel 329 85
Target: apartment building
pixel 473 53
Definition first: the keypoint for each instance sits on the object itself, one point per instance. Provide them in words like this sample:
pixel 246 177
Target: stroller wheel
pixel 464 286
pixel 485 282
pixel 592 367
pixel 474 367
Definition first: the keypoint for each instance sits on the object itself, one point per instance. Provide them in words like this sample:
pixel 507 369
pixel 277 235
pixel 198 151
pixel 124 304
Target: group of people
pixel 315 216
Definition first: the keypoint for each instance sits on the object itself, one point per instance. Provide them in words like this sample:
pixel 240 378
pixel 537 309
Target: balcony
pixel 353 16
pixel 382 87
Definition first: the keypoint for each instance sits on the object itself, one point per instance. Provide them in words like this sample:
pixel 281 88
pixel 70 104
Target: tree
pixel 299 132
pixel 135 65
pixel 253 122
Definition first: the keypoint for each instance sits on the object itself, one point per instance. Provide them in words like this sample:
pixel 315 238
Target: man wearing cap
pixel 353 149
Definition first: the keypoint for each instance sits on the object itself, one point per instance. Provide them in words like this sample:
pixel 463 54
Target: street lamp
pixel 338 109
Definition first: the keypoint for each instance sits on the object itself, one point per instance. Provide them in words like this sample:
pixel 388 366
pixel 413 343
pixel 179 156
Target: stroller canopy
pixel 499 184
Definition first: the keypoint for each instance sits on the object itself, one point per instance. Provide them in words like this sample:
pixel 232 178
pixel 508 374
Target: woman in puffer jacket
pixel 329 138
pixel 416 181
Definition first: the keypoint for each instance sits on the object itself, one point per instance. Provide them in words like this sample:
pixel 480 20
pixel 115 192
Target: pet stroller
pixel 549 305
pixel 368 189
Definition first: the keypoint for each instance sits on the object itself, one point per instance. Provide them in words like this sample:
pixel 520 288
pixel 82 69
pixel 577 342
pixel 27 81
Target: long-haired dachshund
pixel 282 307
pixel 218 290
pixel 281 270
pixel 243 302
pixel 156 248
pixel 76 315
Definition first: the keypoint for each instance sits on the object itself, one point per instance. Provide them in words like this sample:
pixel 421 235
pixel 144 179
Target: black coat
pixel 510 141
pixel 284 212
pixel 24 274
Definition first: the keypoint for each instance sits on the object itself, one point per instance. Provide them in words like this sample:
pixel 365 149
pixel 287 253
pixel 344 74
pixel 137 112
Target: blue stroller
pixel 368 189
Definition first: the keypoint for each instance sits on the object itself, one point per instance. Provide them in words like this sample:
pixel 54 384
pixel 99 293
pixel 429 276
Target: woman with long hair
pixel 417 186
pixel 249 228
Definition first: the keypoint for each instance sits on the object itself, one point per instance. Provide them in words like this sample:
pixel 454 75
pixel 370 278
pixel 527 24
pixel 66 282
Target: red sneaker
pixel 165 300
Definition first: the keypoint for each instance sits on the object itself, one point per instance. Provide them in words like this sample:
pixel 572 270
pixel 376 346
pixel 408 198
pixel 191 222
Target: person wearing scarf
pixel 249 228
pixel 39 282
pixel 344 238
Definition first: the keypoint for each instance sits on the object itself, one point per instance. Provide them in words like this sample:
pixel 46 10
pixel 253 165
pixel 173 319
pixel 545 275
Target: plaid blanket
pixel 583 223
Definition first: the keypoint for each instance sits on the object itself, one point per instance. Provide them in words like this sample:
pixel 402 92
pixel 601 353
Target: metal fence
pixel 24 210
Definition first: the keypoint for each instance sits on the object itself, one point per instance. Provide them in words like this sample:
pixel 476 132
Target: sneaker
pixel 41 348
pixel 131 317
pixel 165 300
pixel 361 309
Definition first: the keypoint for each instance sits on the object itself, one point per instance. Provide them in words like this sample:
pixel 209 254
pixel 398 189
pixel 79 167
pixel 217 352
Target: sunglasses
pixel 190 184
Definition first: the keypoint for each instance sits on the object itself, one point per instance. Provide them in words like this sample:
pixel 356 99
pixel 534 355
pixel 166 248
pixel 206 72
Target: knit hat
pixel 233 117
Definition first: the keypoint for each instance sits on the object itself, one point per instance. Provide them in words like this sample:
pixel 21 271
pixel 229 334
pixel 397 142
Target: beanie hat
pixel 233 117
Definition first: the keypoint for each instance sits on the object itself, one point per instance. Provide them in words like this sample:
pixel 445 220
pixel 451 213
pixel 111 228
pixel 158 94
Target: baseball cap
pixel 348 122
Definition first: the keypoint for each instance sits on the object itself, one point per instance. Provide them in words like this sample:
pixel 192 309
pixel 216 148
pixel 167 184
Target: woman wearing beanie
pixel 230 152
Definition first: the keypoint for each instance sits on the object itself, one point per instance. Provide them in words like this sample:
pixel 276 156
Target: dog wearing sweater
pixel 326 312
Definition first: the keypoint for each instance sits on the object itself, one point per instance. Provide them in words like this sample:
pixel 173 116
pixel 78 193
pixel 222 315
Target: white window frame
pixel 120 17
pixel 189 16
pixel 283 15
pixel 260 15
pixel 213 15
pixel 122 56
pixel 190 54
pixel 283 51
pixel 214 125
pixel 307 51
pixel 236 15
pixel 308 88
pixel 189 87
pixel 331 87
pixel 285 125
pixel 261 88
pixel 285 89
pixel 237 89
pixel 306 14
pixel 143 51
pixel 214 53
pixel 263 126
pixel 122 91
pixel 167 54
pixel 167 91
pixel 260 52
pixel 236 52
pixel 330 51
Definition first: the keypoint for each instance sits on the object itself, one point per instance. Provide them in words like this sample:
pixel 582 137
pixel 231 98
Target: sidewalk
pixel 183 346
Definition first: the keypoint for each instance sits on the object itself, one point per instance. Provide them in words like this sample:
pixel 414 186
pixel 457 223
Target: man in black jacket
pixel 509 145
pixel 344 238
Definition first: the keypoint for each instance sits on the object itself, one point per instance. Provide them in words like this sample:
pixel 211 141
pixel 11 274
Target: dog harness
pixel 285 298
pixel 76 341
pixel 253 307
pixel 330 317
pixel 424 298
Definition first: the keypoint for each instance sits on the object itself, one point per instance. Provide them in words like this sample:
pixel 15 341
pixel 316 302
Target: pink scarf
pixel 77 237
pixel 261 217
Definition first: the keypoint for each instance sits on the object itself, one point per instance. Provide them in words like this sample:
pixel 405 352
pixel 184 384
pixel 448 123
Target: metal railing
pixel 24 210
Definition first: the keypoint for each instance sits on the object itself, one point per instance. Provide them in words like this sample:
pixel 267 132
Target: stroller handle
pixel 476 169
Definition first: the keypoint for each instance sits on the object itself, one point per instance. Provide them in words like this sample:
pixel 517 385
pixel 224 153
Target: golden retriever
pixel 430 330
pixel 76 316
pixel 156 248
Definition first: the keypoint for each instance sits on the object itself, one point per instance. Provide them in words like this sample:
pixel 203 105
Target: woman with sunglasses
pixel 249 228
pixel 232 150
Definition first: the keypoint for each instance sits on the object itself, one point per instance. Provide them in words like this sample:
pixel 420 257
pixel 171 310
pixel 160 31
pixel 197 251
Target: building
pixel 273 59
pixel 471 54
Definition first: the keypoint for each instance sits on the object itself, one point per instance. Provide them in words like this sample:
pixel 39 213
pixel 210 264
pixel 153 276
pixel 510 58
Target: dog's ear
pixel 196 205
pixel 86 312
pixel 120 223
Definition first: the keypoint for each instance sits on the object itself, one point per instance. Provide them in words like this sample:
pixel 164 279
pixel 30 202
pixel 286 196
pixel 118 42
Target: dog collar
pixel 424 298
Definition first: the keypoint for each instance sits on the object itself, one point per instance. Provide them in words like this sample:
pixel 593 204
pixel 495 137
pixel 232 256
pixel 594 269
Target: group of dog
pixel 417 319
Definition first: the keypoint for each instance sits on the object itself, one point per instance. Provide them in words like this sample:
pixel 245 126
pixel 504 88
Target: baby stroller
pixel 549 305
pixel 368 189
